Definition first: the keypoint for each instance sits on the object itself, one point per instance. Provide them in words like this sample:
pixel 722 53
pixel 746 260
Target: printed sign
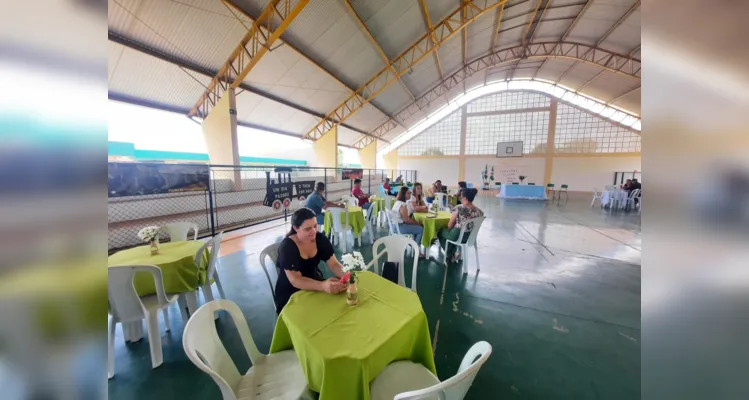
pixel 280 191
pixel 352 174
pixel 137 179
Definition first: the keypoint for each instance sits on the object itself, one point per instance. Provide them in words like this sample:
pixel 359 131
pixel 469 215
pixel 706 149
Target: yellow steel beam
pixel 230 5
pixel 567 32
pixel 428 21
pixel 273 21
pixel 424 46
pixel 497 23
pixel 609 61
pixel 376 45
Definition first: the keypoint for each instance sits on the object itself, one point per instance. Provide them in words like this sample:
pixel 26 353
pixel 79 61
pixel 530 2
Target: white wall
pixel 531 167
pixel 429 170
pixel 585 173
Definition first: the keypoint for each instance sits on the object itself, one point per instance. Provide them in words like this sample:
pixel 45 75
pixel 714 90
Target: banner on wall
pixel 352 174
pixel 136 179
pixel 508 176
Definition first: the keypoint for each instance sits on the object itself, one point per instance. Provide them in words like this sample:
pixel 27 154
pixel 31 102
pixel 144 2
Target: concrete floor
pixel 558 297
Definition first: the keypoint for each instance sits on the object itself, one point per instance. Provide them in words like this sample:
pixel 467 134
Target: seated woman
pixel 461 213
pixel 386 185
pixel 316 202
pixel 299 257
pixel 434 189
pixel 401 215
pixel 416 203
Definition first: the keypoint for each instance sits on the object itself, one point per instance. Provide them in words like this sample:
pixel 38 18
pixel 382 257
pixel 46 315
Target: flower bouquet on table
pixel 352 263
pixel 150 234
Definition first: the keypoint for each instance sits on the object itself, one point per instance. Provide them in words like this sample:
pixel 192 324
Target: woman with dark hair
pixel 416 203
pixel 461 213
pixel 401 215
pixel 299 257
pixel 316 202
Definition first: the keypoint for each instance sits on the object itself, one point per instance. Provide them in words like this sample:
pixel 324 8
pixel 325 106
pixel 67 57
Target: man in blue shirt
pixel 316 202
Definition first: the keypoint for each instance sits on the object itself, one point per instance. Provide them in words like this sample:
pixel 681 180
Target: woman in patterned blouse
pixel 461 213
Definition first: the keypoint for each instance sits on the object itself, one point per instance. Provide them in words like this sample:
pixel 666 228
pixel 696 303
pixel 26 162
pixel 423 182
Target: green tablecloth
pixel 177 263
pixel 355 220
pixel 453 200
pixel 432 225
pixel 379 201
pixel 342 348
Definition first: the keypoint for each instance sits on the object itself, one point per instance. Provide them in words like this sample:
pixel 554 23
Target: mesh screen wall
pixel 442 138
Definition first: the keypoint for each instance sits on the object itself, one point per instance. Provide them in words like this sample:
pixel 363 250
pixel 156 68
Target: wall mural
pixel 280 193
pixel 352 173
pixel 136 179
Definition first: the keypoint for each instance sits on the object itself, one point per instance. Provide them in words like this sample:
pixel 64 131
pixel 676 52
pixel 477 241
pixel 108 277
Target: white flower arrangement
pixel 148 233
pixel 352 263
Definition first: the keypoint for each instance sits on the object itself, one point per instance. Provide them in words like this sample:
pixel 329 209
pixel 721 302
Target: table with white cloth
pixel 530 192
pixel 618 195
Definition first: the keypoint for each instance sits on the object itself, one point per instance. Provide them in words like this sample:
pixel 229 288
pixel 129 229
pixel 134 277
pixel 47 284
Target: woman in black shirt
pixel 299 257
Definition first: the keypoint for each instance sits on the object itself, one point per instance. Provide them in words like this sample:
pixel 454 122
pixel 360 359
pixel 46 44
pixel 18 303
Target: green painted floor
pixel 558 298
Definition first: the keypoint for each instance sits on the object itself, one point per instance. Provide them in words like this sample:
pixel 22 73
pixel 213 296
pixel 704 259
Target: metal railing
pixel 237 197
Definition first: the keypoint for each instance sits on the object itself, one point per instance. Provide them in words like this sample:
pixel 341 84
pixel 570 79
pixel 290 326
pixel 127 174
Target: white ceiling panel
pixel 347 136
pixel 367 119
pixel 631 100
pixel 626 37
pixel 579 74
pixel 608 85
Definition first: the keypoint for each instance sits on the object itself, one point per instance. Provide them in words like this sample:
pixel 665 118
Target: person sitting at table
pixel 462 185
pixel 316 202
pixel 416 203
pixel 434 189
pixel 399 179
pixel 636 185
pixel 401 215
pixel 299 256
pixel 386 185
pixel 627 185
pixel 461 213
pixel 359 194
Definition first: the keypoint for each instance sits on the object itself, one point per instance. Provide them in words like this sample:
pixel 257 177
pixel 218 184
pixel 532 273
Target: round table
pixel 342 348
pixel 178 270
pixel 432 225
pixel 355 220
pixel 608 196
pixel 177 263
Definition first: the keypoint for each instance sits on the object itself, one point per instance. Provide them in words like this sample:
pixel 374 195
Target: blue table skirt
pixel 522 192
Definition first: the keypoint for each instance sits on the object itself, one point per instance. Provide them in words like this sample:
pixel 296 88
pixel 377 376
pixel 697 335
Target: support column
pixel 326 150
pixel 220 131
pixel 390 160
pixel 462 156
pixel 220 134
pixel 549 165
pixel 368 156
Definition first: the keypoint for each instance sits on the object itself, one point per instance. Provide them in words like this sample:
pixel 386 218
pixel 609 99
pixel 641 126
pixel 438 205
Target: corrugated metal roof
pixel 396 26
pixel 392 99
pixel 451 55
pixel 423 77
pixel 147 78
pixel 600 16
pixel 189 30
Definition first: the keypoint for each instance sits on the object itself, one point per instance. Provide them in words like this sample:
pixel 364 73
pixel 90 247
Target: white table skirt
pixel 610 195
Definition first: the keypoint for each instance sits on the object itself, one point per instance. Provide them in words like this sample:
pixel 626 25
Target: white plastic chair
pixel 127 307
pixel 635 194
pixel 596 196
pixel 405 380
pixel 178 231
pixel 441 200
pixel 388 206
pixel 191 298
pixel 272 253
pixel 272 376
pixel 396 247
pixel 371 222
pixel 340 226
pixel 473 224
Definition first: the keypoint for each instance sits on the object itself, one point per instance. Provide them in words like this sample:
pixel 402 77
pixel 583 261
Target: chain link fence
pixel 238 197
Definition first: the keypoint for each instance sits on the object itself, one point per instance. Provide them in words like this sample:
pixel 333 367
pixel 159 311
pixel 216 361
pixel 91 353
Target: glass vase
pixel 352 295
pixel 154 247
